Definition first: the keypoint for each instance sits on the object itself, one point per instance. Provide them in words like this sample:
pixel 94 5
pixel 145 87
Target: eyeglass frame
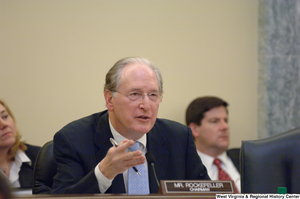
pixel 142 95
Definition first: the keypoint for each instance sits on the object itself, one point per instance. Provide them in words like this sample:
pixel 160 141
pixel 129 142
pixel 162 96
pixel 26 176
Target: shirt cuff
pixel 103 182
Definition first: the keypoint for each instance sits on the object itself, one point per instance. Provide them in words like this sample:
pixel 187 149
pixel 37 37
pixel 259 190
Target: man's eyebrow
pixel 214 118
pixel 135 89
pixel 141 90
pixel 154 90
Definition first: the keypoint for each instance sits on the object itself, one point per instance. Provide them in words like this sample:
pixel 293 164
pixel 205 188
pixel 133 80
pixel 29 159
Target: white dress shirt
pixel 20 158
pixel 105 183
pixel 227 165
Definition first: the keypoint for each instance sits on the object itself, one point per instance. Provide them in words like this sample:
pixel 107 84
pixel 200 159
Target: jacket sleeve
pixel 71 176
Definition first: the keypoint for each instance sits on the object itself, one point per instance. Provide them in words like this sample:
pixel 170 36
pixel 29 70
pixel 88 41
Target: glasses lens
pixel 137 95
pixel 153 96
pixel 134 96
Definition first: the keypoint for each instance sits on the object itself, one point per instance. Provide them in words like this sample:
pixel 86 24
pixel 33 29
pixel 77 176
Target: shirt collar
pixel 208 160
pixel 21 157
pixel 119 138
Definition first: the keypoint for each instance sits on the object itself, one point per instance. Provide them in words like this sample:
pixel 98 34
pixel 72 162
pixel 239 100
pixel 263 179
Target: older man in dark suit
pixel 88 162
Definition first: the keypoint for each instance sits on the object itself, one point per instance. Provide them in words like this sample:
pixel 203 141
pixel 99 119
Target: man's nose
pixel 225 124
pixel 145 102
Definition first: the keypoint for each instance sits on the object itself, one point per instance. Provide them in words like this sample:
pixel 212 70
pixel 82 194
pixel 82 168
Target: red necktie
pixel 222 174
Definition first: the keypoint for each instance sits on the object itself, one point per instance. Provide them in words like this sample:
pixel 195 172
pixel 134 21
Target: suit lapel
pixel 26 176
pixel 234 155
pixel 103 144
pixel 155 142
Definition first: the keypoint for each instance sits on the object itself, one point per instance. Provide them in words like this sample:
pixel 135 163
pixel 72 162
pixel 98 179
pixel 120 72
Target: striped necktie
pixel 222 174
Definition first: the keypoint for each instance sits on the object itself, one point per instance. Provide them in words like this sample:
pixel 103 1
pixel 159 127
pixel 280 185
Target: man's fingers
pixel 135 161
pixel 125 144
pixel 117 160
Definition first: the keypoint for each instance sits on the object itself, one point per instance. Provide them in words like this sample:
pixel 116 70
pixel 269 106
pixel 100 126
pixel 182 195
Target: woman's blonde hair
pixel 18 144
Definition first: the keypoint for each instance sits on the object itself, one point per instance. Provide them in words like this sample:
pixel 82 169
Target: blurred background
pixel 55 55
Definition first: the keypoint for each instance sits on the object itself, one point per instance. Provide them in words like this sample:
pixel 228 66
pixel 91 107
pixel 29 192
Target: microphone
pixel 151 159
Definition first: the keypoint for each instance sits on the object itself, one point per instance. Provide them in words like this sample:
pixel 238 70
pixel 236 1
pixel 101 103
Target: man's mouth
pixel 224 137
pixel 143 117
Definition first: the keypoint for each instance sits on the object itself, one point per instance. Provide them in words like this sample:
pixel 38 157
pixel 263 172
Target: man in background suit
pixel 88 163
pixel 208 119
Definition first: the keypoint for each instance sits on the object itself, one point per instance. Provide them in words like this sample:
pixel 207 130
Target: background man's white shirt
pixel 227 165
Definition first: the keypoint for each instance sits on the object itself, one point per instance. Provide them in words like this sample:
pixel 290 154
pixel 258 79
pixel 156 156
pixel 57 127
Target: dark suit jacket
pixel 234 154
pixel 26 172
pixel 82 144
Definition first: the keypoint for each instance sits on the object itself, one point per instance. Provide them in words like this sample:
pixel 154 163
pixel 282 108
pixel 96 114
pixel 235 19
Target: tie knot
pixel 217 162
pixel 135 147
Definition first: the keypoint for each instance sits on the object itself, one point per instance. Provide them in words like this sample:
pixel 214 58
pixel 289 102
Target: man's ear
pixel 108 95
pixel 194 127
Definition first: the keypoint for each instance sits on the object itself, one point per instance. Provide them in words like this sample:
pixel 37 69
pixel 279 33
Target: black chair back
pixel 44 170
pixel 269 163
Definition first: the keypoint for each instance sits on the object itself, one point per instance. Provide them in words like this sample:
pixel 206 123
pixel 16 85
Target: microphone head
pixel 150 157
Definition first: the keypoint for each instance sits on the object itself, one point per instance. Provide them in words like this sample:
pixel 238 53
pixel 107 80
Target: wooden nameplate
pixel 206 187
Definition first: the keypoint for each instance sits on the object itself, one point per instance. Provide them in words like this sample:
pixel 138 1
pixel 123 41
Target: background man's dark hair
pixel 197 108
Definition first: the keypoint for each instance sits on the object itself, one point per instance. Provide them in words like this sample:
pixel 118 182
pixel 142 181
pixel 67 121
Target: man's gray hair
pixel 113 76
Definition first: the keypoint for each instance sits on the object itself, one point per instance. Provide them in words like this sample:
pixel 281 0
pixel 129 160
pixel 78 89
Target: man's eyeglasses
pixel 133 96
